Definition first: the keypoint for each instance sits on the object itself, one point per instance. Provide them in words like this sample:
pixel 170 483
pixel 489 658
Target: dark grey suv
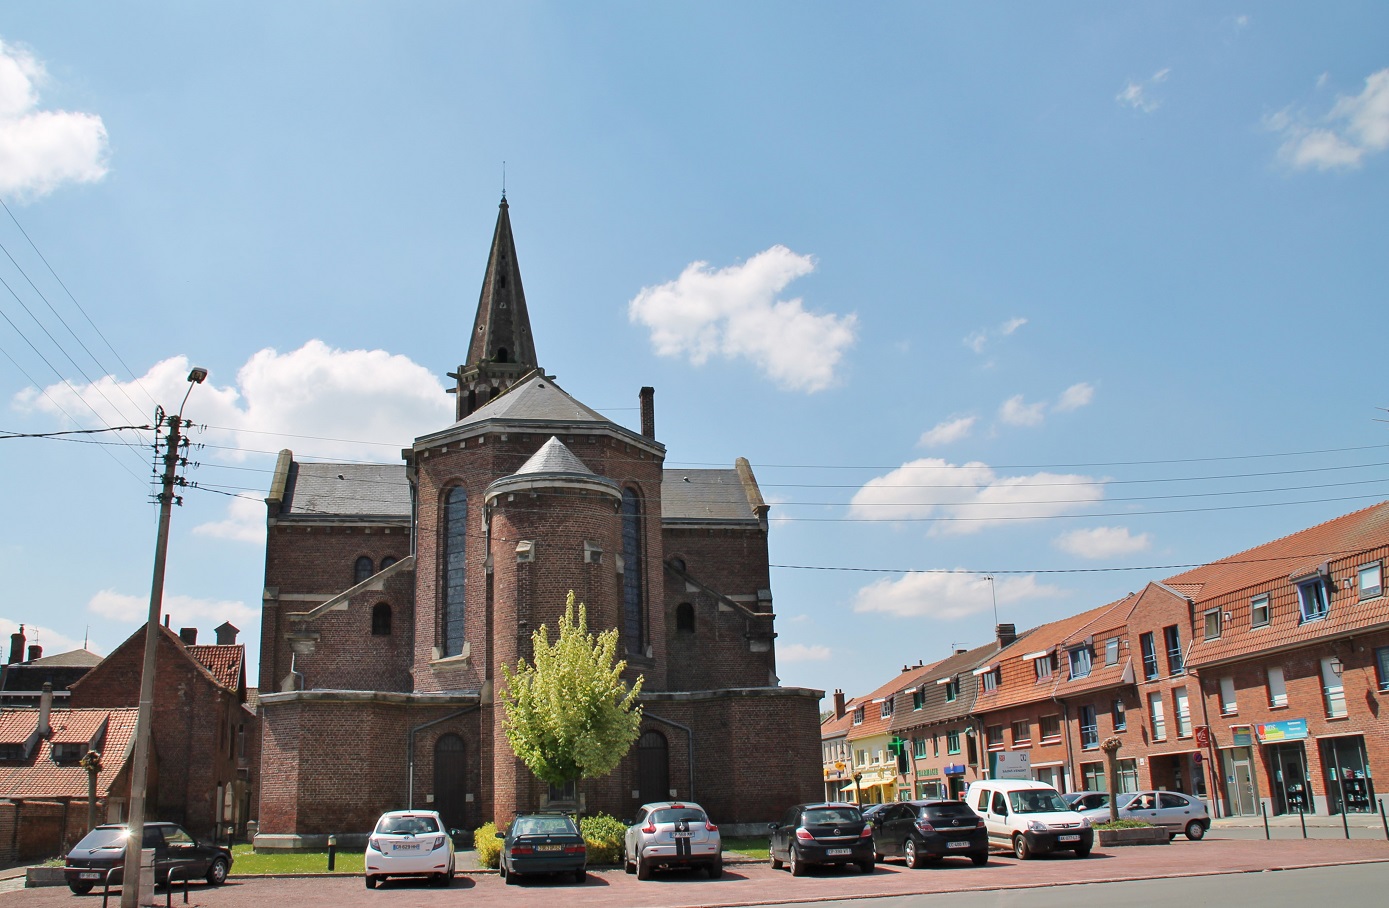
pixel 821 833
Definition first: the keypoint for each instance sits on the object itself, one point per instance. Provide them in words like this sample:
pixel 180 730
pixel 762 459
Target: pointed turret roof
pixel 502 327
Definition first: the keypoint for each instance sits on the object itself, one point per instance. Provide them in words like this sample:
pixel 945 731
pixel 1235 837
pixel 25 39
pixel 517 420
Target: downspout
pixel 689 743
pixel 410 751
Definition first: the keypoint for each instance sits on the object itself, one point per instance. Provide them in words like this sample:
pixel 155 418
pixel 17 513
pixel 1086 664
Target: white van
pixel 1029 817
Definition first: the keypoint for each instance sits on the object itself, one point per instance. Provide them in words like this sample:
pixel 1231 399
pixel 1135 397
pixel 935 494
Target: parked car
pixel 1171 809
pixel 1082 801
pixel 176 853
pixel 869 810
pixel 672 834
pixel 542 843
pixel 822 833
pixel 410 843
pixel 1029 817
pixel 921 831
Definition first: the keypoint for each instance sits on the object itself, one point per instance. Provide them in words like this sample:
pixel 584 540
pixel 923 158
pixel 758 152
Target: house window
pixel 1080 662
pixel 1121 719
pixel 67 753
pixel 919 748
pixel 994 735
pixel 1183 712
pixel 633 604
pixel 858 715
pixel 1333 693
pixel 1370 580
pixel 989 680
pixel 1156 717
pixel 455 568
pixel 381 620
pixel 1111 651
pixel 387 562
pixel 1128 775
pixel 1049 728
pixel 1043 666
pixel 362 570
pixel 887 708
pixel 952 690
pixel 1089 728
pixel 935 745
pixel 1228 705
pixel 1258 611
pixel 1212 624
pixel 1172 636
pixel 1277 690
pixel 861 758
pixel 918 699
pixel 684 618
pixel 1150 666
pixel 952 742
pixel 1311 597
pixel 1022 732
pixel 1093 773
pixel 1382 663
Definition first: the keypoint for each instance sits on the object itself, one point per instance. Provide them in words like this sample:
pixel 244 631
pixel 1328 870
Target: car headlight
pixel 1036 826
pixel 1084 822
pixel 438 843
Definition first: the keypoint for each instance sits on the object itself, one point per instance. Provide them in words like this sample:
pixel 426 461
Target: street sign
pixel 1203 736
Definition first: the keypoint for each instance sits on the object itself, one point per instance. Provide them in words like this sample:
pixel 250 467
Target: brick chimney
pixel 16 646
pixel 226 634
pixel 838 704
pixel 45 707
pixel 35 652
pixel 648 412
pixel 1007 634
pixel 189 636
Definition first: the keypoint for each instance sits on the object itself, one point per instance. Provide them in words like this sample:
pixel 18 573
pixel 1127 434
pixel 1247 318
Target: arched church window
pixel 502 355
pixel 381 619
pixel 684 618
pixel 455 568
pixel 387 562
pixel 362 570
pixel 633 604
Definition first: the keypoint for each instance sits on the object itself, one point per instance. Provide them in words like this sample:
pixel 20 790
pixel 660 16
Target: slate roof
pixel 935 707
pixel 40 777
pixel 535 399
pixel 705 495
pixel 77 658
pixel 347 490
pixel 1019 683
pixel 554 457
pixel 224 662
pixel 874 722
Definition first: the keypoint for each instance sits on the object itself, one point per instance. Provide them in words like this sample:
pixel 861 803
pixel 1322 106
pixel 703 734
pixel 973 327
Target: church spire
pixel 501 348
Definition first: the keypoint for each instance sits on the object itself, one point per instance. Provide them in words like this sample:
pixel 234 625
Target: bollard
pixel 332 851
pixel 1345 823
pixel 1263 811
pixel 1383 820
pixel 1302 817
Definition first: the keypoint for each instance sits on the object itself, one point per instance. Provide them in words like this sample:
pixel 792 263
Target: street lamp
pixel 139 773
pixel 1336 666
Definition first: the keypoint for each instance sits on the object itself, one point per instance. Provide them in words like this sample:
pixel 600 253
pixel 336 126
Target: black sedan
pixel 922 831
pixel 542 843
pixel 822 833
pixel 100 857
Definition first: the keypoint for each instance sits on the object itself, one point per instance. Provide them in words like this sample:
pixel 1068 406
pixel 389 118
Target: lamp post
pixel 139 774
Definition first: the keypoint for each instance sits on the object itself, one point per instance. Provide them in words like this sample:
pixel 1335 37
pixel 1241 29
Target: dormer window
pixel 1080 662
pixel 1311 597
pixel 1369 580
pixel 11 753
pixel 858 715
pixel 887 708
pixel 67 753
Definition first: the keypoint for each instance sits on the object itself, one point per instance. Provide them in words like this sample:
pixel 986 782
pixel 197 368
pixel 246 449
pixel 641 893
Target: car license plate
pixel 405 846
pixel 1068 838
pixel 956 844
pixel 549 847
pixel 836 852
pixel 89 876
pixel 683 835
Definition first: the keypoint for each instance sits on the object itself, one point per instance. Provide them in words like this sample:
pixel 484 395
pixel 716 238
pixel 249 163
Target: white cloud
pixel 944 433
pixel 948 595
pixel 1015 412
pixel 52 642
pixel 980 339
pixel 1075 397
pixel 1012 325
pixel 734 313
pixel 245 523
pixel 1354 128
pixel 966 498
pixel 801 652
pixel 41 150
pixel 1136 95
pixel 1103 542
pixel 183 611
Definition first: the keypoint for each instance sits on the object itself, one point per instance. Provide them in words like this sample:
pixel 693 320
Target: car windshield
pixel 1039 801
pixel 676 814
pixel 828 816
pixel 407 825
pixel 948 811
pixel 102 838
pixel 544 826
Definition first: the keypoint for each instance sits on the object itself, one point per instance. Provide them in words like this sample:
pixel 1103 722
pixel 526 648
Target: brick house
pixel 203 733
pixel 866 725
pixel 394 594
pixel 935 720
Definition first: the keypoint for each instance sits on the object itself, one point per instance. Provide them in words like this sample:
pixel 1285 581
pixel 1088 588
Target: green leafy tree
pixel 569 715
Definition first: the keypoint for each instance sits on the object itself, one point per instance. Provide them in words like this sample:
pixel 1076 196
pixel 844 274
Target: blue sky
pixel 1063 292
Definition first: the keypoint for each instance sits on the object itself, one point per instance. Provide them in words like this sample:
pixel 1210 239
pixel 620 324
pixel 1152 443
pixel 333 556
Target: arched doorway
pixel 653 767
pixel 450 774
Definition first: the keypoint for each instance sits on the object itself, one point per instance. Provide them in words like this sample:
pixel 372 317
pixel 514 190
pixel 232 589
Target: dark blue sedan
pixel 542 843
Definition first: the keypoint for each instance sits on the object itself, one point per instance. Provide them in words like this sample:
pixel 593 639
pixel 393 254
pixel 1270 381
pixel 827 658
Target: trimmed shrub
pixel 488 846
pixel 1122 824
pixel 603 835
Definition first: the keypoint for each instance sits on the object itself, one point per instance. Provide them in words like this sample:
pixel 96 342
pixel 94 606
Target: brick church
pixel 394 593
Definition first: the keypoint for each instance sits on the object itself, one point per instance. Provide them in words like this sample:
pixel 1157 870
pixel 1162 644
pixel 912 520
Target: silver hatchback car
pixel 1177 812
pixel 672 834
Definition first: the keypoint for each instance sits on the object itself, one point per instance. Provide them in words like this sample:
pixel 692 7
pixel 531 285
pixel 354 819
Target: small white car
pixel 1029 817
pixel 672 834
pixel 410 843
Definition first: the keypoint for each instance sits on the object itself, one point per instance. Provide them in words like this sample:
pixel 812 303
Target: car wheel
pixel 776 861
pixel 371 881
pixel 512 878
pixel 1083 851
pixel 797 866
pixel 217 873
pixel 867 867
pixel 716 868
pixel 910 853
pixel 643 868
pixel 1020 847
pixel 979 859
pixel 80 888
pixel 1195 830
pixel 501 868
pixel 581 875
pixel 627 865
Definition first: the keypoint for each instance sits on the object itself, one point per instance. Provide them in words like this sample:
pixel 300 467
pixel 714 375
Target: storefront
pixel 1286 756
pixel 955 780
pixel 1237 769
pixel 1349 785
pixel 929 783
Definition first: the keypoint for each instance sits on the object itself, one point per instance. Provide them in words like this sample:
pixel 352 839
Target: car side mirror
pixel 455 833
pixel 773 827
pixel 501 835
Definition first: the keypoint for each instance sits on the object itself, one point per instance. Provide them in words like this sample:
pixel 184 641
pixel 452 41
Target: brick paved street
pixel 756 883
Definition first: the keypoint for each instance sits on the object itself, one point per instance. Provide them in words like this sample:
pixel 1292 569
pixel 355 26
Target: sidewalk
pixel 1313 821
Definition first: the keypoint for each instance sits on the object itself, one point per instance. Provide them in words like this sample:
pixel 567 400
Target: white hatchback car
pixel 672 834
pixel 410 843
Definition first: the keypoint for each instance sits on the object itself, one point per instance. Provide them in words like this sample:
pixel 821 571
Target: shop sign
pixel 1203 736
pixel 1013 765
pixel 954 769
pixel 927 772
pixel 1241 736
pixel 1286 730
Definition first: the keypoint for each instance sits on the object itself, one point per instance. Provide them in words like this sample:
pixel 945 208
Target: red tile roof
pixel 1019 683
pixel 874 723
pixel 222 662
pixel 40 777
